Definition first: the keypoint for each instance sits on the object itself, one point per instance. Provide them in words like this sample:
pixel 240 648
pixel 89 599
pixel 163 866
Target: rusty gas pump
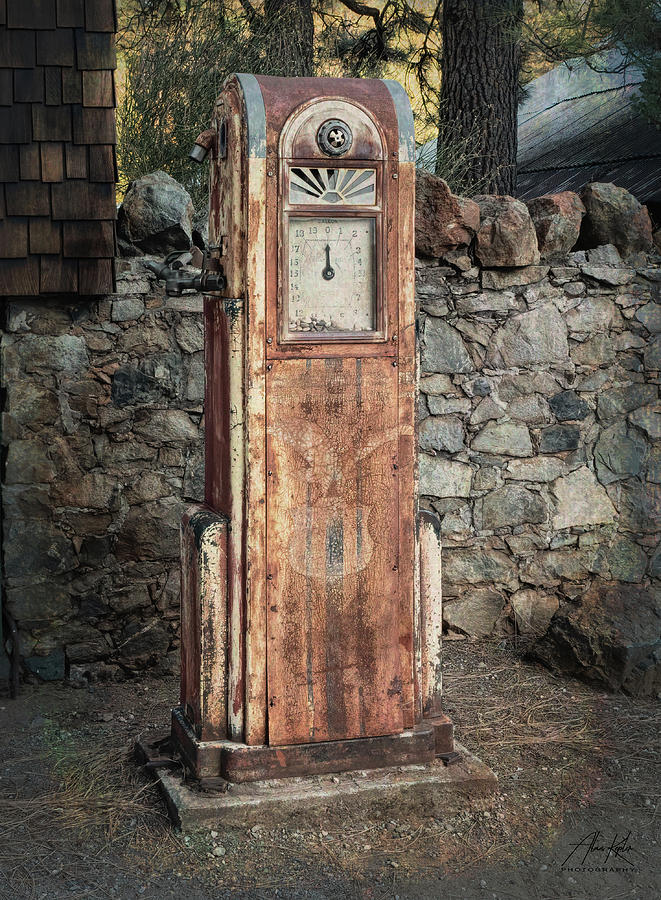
pixel 311 620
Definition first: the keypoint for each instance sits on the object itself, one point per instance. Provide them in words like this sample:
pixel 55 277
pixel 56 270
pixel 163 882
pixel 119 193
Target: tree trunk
pixel 289 37
pixel 479 89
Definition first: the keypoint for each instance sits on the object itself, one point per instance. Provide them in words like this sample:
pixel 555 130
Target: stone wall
pixel 540 443
pixel 540 425
pixel 540 435
pixel 103 439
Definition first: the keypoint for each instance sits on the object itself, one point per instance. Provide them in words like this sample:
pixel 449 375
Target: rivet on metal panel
pixel 269 367
pixel 269 472
pixel 269 340
pixel 394 338
pixel 394 568
pixel 395 175
pixel 270 174
pixel 269 577
pixel 394 365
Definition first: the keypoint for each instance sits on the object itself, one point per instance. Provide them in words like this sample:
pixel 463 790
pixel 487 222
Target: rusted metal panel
pixel 204 622
pixel 332 507
pixel 403 251
pixel 227 219
pixel 431 613
pixel 241 764
pixel 282 98
pixel 226 364
pixel 298 140
pixel 237 207
pixel 189 685
pixel 255 456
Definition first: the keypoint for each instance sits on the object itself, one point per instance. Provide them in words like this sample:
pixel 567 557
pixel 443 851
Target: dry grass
pixel 90 788
pixel 81 803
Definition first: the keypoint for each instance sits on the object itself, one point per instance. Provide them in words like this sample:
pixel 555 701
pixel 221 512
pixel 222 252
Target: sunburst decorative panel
pixel 349 187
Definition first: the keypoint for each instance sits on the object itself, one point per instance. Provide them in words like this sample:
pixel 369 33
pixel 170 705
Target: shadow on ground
pixel 575 814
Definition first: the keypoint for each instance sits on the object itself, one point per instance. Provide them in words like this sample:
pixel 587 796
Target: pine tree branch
pixel 250 11
pixel 374 13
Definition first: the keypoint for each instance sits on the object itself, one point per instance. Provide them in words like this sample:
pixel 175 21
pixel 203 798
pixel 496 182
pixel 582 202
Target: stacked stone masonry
pixel 540 445
pixel 104 447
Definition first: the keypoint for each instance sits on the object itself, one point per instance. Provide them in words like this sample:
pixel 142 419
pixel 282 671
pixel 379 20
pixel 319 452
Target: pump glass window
pixel 331 275
pixel 347 187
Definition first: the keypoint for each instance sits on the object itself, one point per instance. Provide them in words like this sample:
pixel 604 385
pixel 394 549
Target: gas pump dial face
pixel 332 285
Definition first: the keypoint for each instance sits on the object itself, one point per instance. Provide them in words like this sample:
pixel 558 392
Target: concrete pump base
pixel 431 789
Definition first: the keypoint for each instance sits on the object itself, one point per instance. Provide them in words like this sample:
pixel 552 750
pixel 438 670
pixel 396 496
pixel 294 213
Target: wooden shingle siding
pixel 53 85
pixel 57 146
pixel 76 165
pixel 71 86
pixel 55 48
pixel 52 162
pixel 14 239
pixel 9 161
pixel 45 236
pixel 24 14
pixel 29 85
pixel 88 239
pixel 27 198
pixel 15 124
pixel 51 123
pixel 58 276
pixel 93 126
pixel 96 50
pixel 93 275
pixel 82 200
pixel 70 13
pixel 29 163
pixel 19 277
pixel 100 15
pixel 17 49
pixel 98 88
pixel 6 92
pixel 103 166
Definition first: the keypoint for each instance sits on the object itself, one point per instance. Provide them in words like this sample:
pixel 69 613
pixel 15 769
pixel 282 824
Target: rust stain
pixel 204 622
pixel 333 647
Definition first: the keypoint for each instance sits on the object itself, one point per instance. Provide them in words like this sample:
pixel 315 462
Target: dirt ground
pixel 575 815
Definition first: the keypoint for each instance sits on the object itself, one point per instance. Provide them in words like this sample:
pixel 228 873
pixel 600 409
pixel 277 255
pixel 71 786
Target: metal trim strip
pixel 255 115
pixel 404 120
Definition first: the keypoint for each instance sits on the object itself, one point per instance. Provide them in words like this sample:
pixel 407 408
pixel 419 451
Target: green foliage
pixel 566 29
pixel 176 56
pixel 634 26
pixel 174 62
pixel 177 53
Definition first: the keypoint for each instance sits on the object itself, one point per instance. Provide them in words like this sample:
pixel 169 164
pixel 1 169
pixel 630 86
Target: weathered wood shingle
pixel 57 146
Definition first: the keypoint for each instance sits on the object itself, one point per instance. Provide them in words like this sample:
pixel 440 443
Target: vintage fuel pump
pixel 311 621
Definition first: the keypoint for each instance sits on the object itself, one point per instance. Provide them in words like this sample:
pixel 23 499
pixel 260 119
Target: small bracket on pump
pixel 178 281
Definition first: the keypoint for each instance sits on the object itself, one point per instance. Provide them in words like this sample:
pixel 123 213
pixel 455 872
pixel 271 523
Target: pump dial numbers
pixel 332 280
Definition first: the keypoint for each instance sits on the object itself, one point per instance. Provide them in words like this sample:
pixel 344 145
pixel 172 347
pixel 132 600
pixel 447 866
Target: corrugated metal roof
pixel 578 125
